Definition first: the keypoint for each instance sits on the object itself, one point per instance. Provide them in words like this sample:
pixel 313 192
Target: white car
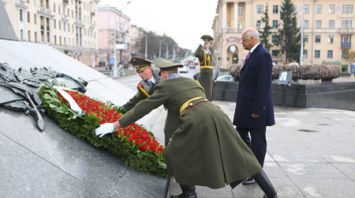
pixel 225 78
pixel 183 69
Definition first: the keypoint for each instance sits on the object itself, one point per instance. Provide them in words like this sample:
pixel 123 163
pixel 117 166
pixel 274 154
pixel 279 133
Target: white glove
pixel 104 129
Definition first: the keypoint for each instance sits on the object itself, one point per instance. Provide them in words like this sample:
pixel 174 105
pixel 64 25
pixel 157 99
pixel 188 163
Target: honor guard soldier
pixel 204 55
pixel 145 87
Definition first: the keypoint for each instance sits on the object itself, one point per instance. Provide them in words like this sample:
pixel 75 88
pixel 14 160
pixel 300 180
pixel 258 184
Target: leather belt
pixel 206 67
pixel 190 103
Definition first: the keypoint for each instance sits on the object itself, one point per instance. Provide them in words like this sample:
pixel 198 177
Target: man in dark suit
pixel 254 110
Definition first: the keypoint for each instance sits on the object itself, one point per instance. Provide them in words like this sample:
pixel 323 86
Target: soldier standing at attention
pixel 146 86
pixel 202 146
pixel 204 55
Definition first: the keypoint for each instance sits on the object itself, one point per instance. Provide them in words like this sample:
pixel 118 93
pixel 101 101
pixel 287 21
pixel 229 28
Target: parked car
pixel 183 69
pixel 225 78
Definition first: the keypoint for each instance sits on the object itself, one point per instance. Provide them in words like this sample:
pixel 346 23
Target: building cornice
pixel 113 10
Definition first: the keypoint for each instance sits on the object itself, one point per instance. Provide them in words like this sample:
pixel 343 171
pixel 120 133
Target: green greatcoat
pixel 206 74
pixel 203 148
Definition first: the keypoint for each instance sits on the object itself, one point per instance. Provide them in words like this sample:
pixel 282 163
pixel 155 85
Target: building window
pixel 330 54
pixel 331 24
pixel 305 54
pixel 306 24
pixel 21 17
pixel 258 23
pixel 54 23
pixel 29 36
pixel 54 7
pixel 275 23
pixel 330 39
pixel 316 53
pixel 275 9
pixel 59 25
pixel 275 52
pixel 55 40
pixel 21 35
pixel 319 9
pixel 331 9
pixel 240 11
pixel 35 18
pixel 306 9
pixel 318 24
pixel 58 9
pixel 345 39
pixel 305 38
pixel 28 17
pixel 275 39
pixel 347 9
pixel 346 23
pixel 259 9
pixel 36 37
pixel 344 54
pixel 317 39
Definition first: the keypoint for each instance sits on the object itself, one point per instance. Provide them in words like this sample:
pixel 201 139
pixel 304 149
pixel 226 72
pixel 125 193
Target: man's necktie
pixel 248 55
pixel 150 83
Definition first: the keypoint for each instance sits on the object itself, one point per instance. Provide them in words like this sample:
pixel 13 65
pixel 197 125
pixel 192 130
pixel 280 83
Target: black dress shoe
pixel 249 181
pixel 185 195
pixel 187 192
pixel 265 196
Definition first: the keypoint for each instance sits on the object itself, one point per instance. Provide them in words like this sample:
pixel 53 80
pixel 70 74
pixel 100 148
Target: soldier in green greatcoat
pixel 202 146
pixel 204 55
pixel 146 86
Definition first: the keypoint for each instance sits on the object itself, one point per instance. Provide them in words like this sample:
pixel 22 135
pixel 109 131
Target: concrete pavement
pixel 310 154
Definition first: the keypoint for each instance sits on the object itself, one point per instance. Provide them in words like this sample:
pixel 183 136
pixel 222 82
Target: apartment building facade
pixel 137 35
pixel 114 36
pixel 68 25
pixel 328 29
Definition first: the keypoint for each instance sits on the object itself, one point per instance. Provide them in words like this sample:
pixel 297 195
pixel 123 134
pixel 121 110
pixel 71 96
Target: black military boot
pixel 187 192
pixel 265 184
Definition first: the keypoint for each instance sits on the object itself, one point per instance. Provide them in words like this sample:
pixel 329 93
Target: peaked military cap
pixel 207 37
pixel 166 65
pixel 140 63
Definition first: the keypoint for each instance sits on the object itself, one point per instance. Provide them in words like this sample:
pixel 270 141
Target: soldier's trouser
pixel 263 181
pixel 187 192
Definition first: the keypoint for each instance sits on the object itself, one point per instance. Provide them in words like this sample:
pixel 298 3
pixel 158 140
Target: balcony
pixel 21 4
pixel 65 1
pixel 65 18
pixel 345 45
pixel 346 30
pixel 79 23
pixel 45 12
pixel 232 30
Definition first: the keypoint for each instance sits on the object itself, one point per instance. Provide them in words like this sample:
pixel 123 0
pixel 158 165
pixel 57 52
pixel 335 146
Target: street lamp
pixel 167 51
pixel 146 47
pixel 160 47
pixel 302 35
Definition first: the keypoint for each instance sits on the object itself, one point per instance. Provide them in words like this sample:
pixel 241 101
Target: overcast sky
pixel 183 20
